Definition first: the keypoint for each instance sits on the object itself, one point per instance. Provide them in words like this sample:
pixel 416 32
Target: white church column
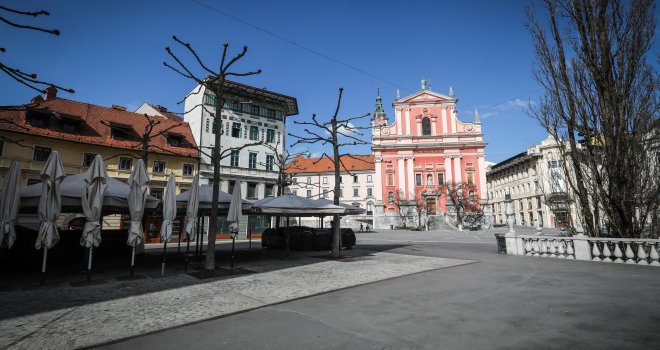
pixel 398 121
pixel 444 121
pixel 378 181
pixel 457 169
pixel 401 174
pixel 411 178
pixel 407 116
pixel 448 169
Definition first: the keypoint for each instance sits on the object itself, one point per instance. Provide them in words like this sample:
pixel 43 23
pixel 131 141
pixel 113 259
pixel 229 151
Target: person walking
pixel 367 227
pixel 361 227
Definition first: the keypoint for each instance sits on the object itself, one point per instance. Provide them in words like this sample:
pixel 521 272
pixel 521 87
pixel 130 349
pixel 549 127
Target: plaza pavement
pixel 402 290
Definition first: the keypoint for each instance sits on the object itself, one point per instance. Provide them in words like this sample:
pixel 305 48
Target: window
pixel 88 158
pixel 270 136
pixel 390 180
pixel 426 126
pixel 340 179
pixel 37 119
pixel 174 140
pixel 369 178
pixel 209 100
pixel 206 128
pixel 270 113
pixel 325 180
pixel 41 153
pixel 230 187
pixel 188 169
pixel 441 179
pixel 355 179
pixel 309 193
pixel 390 197
pixel 33 181
pixel 418 179
pixel 356 192
pixel 429 180
pixel 270 160
pixel 254 133
pixel 254 109
pixel 269 192
pixel 234 158
pixel 125 163
pixel 236 130
pixel 159 167
pixel 471 196
pixel 253 160
pixel 538 202
pixel 119 133
pixel 341 192
pixel 470 178
pixel 370 192
pixel 157 192
pixel 325 193
pixel 309 180
pixel 251 190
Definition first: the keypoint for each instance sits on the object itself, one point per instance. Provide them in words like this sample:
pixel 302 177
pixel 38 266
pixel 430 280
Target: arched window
pixel 426 126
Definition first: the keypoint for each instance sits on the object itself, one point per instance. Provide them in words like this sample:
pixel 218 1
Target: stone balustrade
pixel 580 247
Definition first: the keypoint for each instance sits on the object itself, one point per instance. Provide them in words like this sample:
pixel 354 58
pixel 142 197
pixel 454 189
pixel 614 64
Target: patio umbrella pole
pixel 132 260
pixel 287 237
pixel 178 248
pixel 89 264
pixel 43 266
pixel 162 265
pixel 231 261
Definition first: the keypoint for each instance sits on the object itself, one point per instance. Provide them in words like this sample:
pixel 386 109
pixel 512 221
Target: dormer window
pixel 40 120
pixel 174 140
pixel 122 132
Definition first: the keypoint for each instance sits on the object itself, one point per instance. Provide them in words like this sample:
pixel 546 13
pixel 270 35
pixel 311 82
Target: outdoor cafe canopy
pixel 205 196
pixel 292 205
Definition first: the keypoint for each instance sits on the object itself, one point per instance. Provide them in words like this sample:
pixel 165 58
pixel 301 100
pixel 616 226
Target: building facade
pixel 535 181
pixel 79 131
pixel 250 116
pixel 315 178
pixel 420 151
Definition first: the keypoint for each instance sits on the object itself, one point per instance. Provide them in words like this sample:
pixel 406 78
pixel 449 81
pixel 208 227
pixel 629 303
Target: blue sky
pixel 111 52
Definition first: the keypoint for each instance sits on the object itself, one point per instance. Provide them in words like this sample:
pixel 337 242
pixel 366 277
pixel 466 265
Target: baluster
pixel 552 248
pixel 537 248
pixel 655 257
pixel 544 248
pixel 617 253
pixel 570 251
pixel 606 252
pixel 561 249
pixel 528 248
pixel 595 252
pixel 641 254
pixel 630 256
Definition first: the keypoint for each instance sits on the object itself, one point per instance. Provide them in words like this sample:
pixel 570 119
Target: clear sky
pixel 111 52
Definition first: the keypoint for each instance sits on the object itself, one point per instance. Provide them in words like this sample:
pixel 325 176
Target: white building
pixel 314 178
pixel 535 181
pixel 250 115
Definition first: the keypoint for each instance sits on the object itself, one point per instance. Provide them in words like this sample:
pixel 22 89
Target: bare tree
pixel 215 82
pixel 329 133
pixel 601 100
pixel 404 207
pixel 27 79
pixel 464 200
pixel 420 208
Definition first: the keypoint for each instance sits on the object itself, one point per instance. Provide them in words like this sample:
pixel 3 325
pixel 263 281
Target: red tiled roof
pixel 167 114
pixel 313 165
pixel 95 128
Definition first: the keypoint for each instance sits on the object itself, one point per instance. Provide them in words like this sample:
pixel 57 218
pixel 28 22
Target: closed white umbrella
pixel 137 197
pixel 191 214
pixel 50 205
pixel 234 216
pixel 9 205
pixel 169 213
pixel 92 205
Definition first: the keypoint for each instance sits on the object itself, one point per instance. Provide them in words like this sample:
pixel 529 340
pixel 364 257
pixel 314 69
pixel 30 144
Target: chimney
pixel 118 107
pixel 50 92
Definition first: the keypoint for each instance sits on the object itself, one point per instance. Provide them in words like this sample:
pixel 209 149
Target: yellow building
pixel 79 131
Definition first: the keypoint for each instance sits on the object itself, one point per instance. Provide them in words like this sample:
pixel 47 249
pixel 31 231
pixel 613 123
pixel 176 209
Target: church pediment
pixel 425 96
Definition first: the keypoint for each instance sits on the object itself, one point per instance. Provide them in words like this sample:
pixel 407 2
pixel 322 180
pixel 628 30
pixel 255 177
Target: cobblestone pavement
pixel 184 299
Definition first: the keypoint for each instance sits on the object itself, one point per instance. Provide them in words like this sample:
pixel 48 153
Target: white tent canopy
pixel 205 199
pixel 292 205
pixel 348 209
pixel 72 189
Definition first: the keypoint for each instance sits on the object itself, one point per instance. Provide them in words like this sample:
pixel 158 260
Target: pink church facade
pixel 422 149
